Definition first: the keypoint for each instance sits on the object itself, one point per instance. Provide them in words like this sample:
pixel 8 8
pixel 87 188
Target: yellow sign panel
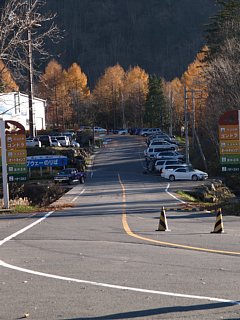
pixel 228 132
pixel 16 156
pixel 229 150
pixel 15 141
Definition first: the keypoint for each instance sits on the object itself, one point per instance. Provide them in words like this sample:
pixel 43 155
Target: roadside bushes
pixel 36 194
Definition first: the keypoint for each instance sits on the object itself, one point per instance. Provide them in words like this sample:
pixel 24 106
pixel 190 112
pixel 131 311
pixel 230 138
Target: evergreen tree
pixel 156 113
pixel 224 25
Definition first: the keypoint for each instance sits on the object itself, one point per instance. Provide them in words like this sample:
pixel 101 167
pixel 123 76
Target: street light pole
pixel 32 130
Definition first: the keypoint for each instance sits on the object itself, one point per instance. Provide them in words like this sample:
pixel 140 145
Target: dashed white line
pixel 74 199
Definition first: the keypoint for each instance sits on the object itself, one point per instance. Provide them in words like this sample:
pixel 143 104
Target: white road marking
pixel 74 199
pixel 26 228
pixel 166 190
pixel 112 286
pixel 99 284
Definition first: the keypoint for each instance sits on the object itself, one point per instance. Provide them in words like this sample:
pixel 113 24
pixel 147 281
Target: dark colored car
pixel 70 175
pixel 46 141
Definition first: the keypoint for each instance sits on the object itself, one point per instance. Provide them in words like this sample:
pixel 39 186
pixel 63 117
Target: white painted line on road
pixel 100 284
pixel 166 190
pixel 74 199
pixel 112 286
pixel 26 228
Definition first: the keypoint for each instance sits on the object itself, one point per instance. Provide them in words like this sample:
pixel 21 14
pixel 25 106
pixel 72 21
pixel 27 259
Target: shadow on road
pixel 158 311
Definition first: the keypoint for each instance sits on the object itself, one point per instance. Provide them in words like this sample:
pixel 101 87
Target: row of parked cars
pixel 162 155
pixel 51 141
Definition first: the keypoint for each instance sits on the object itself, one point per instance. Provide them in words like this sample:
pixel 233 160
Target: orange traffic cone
pixel 163 226
pixel 219 222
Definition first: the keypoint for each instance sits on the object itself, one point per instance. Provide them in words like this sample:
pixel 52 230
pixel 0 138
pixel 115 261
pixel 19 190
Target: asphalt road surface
pixel 102 258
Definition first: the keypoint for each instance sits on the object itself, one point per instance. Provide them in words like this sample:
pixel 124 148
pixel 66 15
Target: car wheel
pixel 70 181
pixel 194 177
pixel 82 180
pixel 171 177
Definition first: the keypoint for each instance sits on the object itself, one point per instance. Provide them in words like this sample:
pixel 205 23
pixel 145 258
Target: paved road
pixel 101 257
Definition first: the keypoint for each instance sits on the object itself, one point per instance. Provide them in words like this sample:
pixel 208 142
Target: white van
pixel 64 140
pixel 149 131
pixel 151 152
pixel 167 167
pixel 161 164
pixel 163 144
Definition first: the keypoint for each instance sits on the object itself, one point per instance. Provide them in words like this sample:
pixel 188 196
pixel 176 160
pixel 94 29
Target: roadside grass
pixel 24 209
pixel 185 196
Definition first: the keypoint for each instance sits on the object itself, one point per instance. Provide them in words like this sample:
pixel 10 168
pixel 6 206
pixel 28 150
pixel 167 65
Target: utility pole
pixel 171 112
pixel 32 130
pixel 186 126
pixel 193 115
pixel 195 136
pixel 4 165
pixel 31 24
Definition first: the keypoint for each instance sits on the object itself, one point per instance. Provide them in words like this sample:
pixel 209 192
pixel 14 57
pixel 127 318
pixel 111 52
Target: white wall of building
pixel 14 106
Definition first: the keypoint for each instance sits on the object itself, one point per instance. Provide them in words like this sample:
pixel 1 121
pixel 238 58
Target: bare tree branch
pixel 17 17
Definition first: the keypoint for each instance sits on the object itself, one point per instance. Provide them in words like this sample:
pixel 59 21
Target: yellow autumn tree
pixel 174 91
pixel 108 98
pixel 52 87
pixel 7 83
pixel 78 92
pixel 48 88
pixel 135 89
pixel 196 88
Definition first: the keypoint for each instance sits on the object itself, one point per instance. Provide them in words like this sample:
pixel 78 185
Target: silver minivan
pixel 160 164
pixel 151 152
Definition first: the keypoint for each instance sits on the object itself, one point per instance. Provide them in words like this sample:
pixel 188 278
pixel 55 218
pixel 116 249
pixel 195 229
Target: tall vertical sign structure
pixel 14 155
pixel 229 141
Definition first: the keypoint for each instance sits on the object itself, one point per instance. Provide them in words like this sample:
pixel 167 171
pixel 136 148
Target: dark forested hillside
pixel 161 36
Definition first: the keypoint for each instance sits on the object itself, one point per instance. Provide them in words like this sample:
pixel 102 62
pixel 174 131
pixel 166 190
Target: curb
pixel 196 209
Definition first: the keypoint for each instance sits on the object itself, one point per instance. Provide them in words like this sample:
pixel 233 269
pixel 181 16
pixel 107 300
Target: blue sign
pixel 46 161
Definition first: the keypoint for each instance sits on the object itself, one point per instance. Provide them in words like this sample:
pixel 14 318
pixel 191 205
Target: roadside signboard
pixel 46 161
pixel 229 141
pixel 13 152
pixel 16 168
pixel 16 153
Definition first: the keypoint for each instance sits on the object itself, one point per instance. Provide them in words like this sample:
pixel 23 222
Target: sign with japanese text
pixel 46 161
pixel 229 141
pixel 16 153
pixel 15 141
pixel 227 132
pixel 230 159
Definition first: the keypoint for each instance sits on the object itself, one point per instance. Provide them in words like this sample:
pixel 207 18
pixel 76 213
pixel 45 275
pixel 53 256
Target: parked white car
pixel 123 131
pixel 184 173
pixel 33 143
pixel 55 142
pixel 63 140
pixel 170 154
pixel 161 164
pixel 149 131
pixel 100 130
pixel 163 145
